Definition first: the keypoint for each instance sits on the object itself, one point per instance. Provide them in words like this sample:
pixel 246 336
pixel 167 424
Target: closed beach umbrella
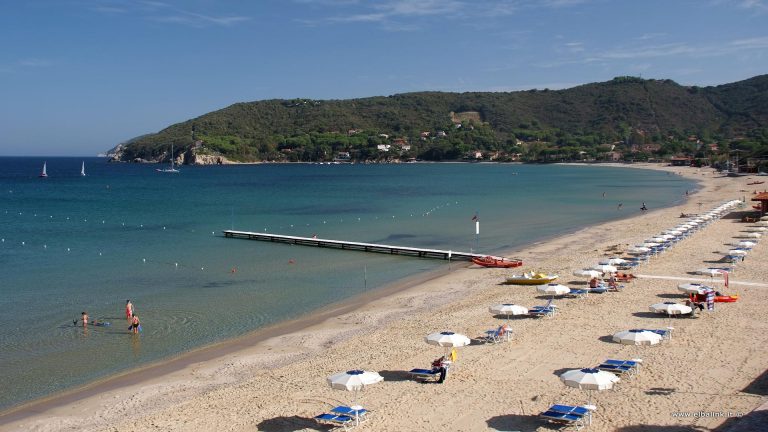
pixel 671 308
pixel 587 273
pixel 508 309
pixel 553 289
pixel 605 268
pixel 693 288
pixel 637 337
pixel 354 381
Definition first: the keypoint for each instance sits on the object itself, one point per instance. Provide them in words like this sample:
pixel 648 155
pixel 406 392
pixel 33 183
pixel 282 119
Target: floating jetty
pixel 355 246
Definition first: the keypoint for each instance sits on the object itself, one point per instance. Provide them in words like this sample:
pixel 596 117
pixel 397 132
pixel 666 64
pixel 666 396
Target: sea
pixel 72 244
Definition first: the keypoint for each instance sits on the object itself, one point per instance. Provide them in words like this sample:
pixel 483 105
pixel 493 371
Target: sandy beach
pixel 706 377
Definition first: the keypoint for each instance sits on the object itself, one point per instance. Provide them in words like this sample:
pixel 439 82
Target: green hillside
pixel 636 118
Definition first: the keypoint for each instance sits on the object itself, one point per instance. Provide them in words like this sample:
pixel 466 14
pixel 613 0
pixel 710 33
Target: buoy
pixel 45 246
pixel 202 268
pixel 213 232
pixel 22 243
pixel 67 249
pixel 103 221
pixel 99 253
pixel 163 227
pixel 176 264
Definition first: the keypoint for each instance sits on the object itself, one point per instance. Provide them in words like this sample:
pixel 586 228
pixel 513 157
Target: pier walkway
pixel 356 246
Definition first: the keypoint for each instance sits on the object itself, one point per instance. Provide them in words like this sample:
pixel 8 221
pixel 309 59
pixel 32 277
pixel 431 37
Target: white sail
pixel 82 169
pixel 44 173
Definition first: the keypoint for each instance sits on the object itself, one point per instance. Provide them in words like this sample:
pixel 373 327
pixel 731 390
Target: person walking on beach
pixel 135 323
pixel 643 208
pixel 128 310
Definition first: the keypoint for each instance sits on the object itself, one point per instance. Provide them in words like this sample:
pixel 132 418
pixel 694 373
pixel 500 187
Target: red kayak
pixel 489 261
pixel 727 299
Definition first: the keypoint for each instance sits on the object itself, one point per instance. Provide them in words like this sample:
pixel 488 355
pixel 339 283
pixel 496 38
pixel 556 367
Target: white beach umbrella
pixel 651 244
pixel 693 288
pixel 590 380
pixel 638 250
pixel 674 232
pixel 637 337
pixel 711 272
pixel 670 308
pixel 508 309
pixel 746 244
pixel 587 273
pixel 354 381
pixel 739 252
pixel 667 236
pixel 762 223
pixel 756 229
pixel 764 218
pixel 605 268
pixel 658 239
pixel 447 339
pixel 553 289
pixel 614 261
pixel 753 235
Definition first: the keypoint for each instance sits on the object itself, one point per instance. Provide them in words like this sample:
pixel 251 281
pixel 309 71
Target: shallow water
pixel 72 243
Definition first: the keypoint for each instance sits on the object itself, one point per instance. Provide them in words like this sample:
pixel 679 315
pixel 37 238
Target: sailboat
pixel 82 169
pixel 171 169
pixel 44 173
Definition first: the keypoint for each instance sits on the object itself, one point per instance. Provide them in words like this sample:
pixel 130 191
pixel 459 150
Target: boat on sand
pixel 531 278
pixel 496 262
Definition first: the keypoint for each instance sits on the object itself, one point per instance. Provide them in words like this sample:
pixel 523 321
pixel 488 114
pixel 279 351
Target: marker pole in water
pixel 365 278
pixel 449 260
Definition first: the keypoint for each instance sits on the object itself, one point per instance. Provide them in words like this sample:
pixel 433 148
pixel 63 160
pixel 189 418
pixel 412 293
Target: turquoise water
pixel 73 244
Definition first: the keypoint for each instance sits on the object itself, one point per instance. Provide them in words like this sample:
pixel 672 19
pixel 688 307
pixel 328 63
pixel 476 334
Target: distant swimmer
pixel 619 206
pixel 643 208
pixel 603 194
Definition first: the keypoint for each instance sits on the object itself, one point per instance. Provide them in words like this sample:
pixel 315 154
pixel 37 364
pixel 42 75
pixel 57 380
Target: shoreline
pixel 267 349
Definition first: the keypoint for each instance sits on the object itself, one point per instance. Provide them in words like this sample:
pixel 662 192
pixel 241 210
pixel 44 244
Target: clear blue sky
pixel 80 76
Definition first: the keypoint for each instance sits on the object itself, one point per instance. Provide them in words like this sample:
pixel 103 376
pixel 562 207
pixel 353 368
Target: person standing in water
pixel 128 310
pixel 85 319
pixel 135 323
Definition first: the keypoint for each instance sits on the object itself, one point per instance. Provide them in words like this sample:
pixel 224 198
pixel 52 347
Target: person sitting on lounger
pixel 440 365
pixel 595 283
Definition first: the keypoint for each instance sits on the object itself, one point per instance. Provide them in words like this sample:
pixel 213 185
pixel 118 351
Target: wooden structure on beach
pixel 355 246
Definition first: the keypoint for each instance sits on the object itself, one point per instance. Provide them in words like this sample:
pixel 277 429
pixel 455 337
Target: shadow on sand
pixel 515 422
pixel 291 424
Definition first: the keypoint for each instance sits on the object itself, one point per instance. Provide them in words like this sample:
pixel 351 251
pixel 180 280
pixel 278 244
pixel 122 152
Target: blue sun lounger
pixel 548 310
pixel 425 374
pixel 578 293
pixel 566 414
pixel 361 414
pixel 335 420
pixel 664 333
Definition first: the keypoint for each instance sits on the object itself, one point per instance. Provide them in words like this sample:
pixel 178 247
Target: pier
pixel 354 246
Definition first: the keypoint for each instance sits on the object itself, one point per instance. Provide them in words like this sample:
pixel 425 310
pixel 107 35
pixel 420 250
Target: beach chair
pixel 497 335
pixel 566 415
pixel 627 368
pixel 335 420
pixel 578 293
pixel 359 414
pixel 548 310
pixel 425 374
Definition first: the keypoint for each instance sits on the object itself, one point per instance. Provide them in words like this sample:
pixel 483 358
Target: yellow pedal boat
pixel 531 278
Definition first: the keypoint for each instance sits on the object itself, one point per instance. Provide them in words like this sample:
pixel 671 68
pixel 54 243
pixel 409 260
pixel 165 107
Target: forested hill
pixel 637 118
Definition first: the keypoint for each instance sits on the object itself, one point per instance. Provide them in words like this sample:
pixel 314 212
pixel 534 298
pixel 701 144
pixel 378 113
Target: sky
pixel 78 77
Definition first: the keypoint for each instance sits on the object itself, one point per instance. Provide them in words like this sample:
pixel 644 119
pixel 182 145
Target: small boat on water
pixel 496 262
pixel 171 169
pixel 531 278
pixel 44 173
